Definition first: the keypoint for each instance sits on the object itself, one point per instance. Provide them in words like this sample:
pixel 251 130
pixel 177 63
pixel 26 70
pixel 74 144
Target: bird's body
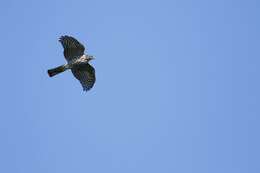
pixel 84 59
pixel 78 62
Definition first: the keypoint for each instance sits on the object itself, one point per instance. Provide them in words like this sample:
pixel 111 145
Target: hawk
pixel 77 62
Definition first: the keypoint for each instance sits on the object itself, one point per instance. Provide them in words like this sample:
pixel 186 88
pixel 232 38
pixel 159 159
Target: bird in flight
pixel 77 62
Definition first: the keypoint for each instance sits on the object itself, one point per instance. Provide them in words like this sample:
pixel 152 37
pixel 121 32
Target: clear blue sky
pixel 177 87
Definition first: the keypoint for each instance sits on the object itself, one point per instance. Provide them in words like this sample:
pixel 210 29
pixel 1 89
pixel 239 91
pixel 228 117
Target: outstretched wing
pixel 86 75
pixel 73 49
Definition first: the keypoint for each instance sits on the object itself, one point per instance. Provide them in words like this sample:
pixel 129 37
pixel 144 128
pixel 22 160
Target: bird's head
pixel 90 57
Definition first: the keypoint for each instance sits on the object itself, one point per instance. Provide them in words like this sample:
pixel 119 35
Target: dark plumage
pixel 85 74
pixel 78 62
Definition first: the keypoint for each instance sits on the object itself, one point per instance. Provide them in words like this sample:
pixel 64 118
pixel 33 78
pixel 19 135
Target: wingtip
pixel 61 38
pixel 86 89
pixel 64 36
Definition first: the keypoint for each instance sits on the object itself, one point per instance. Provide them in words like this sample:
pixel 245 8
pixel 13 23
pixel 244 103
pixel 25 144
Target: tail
pixel 57 70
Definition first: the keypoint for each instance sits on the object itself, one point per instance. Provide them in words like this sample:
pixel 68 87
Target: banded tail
pixel 54 71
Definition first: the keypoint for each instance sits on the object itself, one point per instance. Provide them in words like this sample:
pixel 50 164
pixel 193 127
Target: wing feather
pixel 73 49
pixel 86 75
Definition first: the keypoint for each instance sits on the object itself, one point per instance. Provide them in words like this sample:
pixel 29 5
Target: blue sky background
pixel 177 87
